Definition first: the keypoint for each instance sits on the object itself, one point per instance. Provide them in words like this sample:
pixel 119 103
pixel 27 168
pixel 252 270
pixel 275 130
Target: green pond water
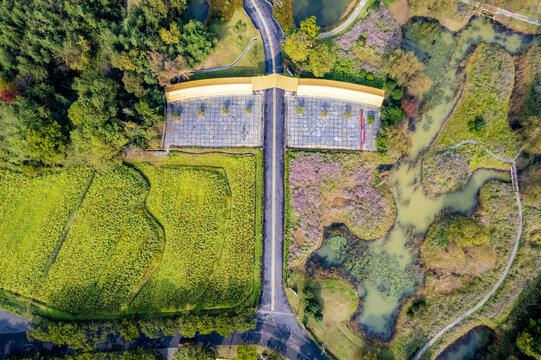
pixel 327 12
pixel 479 30
pixel 468 346
pixel 199 9
pixel 416 210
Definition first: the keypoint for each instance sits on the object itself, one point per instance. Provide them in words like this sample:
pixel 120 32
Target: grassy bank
pixel 452 286
pixel 480 115
pixel 234 35
pixel 338 301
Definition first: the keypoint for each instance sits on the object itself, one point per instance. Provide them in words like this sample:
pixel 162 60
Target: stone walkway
pixel 237 127
pixel 323 124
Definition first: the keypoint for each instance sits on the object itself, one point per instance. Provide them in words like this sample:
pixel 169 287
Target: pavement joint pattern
pixel 187 126
pixel 322 124
pixel 310 129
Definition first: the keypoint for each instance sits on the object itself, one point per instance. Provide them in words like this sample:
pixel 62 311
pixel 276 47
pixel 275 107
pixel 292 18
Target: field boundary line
pixel 158 258
pixel 502 277
pixel 63 237
pixel 149 157
pixel 114 246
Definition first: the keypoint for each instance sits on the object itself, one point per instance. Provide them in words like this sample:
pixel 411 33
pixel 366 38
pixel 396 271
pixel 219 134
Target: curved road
pixel 277 328
pixel 514 180
pixel 350 20
pixel 202 71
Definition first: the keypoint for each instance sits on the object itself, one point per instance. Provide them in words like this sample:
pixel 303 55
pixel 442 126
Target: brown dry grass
pixel 459 19
pixel 400 11
pixel 284 14
pixel 299 237
pixel 518 25
pixel 522 79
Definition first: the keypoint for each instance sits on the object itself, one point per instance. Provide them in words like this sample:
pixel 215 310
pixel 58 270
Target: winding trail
pixel 499 11
pixel 350 20
pixel 202 71
pixel 514 180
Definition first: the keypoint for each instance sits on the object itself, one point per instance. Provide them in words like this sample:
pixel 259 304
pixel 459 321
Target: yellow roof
pixel 303 87
pixel 209 87
pixel 340 90
pixel 275 81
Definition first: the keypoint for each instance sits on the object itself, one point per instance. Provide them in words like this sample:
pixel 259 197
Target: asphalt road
pixel 260 12
pixel 277 328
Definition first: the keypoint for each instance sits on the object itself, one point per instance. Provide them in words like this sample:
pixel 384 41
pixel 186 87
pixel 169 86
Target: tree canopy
pixel 79 80
pixel 304 47
pixel 407 70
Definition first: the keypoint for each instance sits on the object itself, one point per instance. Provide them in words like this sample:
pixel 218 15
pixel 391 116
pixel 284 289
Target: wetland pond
pixel 469 345
pixel 390 276
pixel 382 270
pixel 199 9
pixel 327 12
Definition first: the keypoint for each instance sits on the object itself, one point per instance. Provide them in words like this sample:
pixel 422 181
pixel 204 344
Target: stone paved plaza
pixel 313 129
pixel 202 122
pixel 214 128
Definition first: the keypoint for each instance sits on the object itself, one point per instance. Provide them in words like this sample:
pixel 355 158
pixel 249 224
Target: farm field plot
pixel 207 205
pixel 153 237
pixel 100 223
pixel 131 263
pixel 34 214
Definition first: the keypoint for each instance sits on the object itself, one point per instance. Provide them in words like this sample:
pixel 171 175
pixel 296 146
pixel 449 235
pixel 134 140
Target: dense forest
pixel 82 80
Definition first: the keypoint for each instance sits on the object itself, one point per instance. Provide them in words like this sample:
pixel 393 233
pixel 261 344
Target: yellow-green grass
pixel 489 82
pixel 230 352
pixel 338 301
pixel 208 228
pixel 207 206
pixel 34 214
pixel 132 262
pixel 99 224
pixel 231 44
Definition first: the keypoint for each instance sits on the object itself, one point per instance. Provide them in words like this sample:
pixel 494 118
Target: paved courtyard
pixel 205 122
pixel 323 124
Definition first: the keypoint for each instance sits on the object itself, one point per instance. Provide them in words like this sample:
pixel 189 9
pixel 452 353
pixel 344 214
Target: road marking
pixel 273 195
pixel 268 34
pixel 273 192
pixel 274 313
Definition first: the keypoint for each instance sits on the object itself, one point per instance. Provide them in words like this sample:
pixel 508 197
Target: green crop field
pixel 213 196
pixel 164 236
pixel 99 224
pixel 33 217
